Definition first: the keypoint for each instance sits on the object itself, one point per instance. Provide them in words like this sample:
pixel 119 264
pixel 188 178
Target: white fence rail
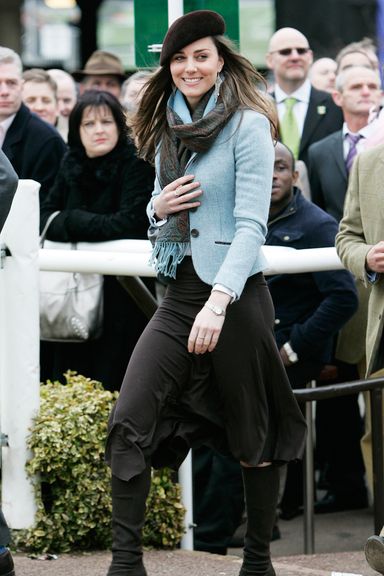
pixel 19 330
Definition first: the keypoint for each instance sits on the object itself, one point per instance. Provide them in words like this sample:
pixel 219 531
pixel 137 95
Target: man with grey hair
pixel 357 92
pixel 34 148
pixel 306 115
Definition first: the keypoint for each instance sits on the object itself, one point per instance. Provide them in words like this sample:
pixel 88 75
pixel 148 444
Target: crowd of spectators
pixel 328 111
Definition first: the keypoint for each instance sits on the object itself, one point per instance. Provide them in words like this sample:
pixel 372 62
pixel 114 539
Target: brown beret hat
pixel 188 29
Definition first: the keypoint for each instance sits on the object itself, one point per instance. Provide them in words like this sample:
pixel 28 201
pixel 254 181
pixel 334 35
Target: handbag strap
pixel 47 225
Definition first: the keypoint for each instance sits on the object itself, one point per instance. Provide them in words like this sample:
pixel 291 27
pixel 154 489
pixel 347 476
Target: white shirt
pixel 4 126
pixel 300 109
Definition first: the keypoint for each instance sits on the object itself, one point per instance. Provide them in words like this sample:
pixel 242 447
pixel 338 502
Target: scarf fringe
pixel 166 256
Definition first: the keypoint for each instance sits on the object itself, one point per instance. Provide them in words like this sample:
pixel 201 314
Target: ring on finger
pixel 178 190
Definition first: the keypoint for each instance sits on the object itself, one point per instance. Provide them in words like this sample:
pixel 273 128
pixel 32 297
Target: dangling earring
pixel 218 83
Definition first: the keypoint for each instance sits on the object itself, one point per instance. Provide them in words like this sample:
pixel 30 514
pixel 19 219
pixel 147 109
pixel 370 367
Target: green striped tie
pixel 289 129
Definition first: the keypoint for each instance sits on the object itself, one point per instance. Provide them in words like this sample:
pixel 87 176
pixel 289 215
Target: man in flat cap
pixel 102 71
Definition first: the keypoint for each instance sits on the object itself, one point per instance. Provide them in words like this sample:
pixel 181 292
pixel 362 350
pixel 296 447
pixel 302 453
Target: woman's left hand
pixel 205 331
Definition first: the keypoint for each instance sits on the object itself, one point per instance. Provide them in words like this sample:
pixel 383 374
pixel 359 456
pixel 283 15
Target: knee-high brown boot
pixel 261 487
pixel 128 512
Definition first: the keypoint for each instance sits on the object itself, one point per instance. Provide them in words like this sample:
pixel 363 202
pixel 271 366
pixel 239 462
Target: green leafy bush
pixel 73 487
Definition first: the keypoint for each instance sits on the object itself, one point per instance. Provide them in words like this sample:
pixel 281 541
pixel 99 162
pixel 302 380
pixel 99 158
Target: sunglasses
pixel 288 51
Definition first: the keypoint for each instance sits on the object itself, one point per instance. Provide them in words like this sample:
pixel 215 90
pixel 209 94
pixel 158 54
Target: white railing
pixel 19 330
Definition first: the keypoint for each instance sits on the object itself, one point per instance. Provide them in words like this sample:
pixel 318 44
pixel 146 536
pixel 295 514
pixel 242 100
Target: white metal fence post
pixel 19 350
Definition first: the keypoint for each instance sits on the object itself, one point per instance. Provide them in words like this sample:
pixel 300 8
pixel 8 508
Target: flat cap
pixel 188 29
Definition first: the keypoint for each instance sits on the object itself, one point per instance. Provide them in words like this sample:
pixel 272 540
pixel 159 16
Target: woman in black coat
pixel 101 191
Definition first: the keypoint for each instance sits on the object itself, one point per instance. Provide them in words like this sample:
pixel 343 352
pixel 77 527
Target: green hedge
pixel 73 482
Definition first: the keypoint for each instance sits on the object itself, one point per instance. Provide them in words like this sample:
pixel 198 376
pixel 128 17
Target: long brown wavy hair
pixel 149 122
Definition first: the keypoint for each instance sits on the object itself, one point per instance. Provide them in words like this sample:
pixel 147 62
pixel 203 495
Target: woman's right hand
pixel 181 194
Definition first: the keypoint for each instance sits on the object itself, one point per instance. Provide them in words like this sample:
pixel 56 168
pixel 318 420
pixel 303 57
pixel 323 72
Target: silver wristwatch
pixel 292 356
pixel 218 310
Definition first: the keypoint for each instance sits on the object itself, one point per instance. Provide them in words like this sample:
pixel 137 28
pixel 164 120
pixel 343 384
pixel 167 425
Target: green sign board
pixel 151 24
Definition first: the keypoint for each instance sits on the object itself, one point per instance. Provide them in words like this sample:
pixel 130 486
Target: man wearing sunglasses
pixel 306 115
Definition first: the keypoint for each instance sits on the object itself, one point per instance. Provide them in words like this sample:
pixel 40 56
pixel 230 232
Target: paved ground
pixel 339 541
pixel 182 563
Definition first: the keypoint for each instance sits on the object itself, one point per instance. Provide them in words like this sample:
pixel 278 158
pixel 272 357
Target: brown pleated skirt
pixel 236 399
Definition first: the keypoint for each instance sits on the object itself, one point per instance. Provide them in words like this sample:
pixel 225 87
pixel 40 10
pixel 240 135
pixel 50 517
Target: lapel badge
pixel 321 110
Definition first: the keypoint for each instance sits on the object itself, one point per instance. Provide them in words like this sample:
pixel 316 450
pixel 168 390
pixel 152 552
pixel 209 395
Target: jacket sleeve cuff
pixel 151 216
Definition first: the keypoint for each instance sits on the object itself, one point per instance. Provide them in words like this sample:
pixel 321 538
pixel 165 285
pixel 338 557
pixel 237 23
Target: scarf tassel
pixel 166 256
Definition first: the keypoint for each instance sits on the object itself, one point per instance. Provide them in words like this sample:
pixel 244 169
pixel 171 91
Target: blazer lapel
pixel 312 117
pixel 338 154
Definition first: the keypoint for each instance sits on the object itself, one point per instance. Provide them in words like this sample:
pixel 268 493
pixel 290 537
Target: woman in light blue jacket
pixel 206 369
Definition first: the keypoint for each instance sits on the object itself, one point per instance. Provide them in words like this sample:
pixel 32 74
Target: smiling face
pixel 195 68
pixel 98 131
pixel 41 99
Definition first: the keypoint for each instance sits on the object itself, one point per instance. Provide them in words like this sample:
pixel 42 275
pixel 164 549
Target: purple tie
pixel 353 140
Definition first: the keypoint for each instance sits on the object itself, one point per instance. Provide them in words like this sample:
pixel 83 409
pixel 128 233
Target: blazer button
pixel 277 321
pixel 286 238
pixel 194 233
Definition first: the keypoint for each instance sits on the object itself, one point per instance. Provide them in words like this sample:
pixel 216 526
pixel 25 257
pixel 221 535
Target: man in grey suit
pixel 357 93
pixel 8 185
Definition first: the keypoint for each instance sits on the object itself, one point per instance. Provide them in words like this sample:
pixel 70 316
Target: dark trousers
pixel 339 428
pixel 299 375
pixel 4 531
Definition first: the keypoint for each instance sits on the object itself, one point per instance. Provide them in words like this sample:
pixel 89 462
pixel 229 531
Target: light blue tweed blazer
pixel 228 229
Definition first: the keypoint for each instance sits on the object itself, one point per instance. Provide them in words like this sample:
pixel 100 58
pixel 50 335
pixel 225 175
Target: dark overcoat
pixel 100 199
pixel 34 148
pixel 310 307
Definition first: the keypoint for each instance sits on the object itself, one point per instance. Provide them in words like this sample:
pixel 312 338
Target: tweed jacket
pixel 360 229
pixel 228 229
pixel 8 185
